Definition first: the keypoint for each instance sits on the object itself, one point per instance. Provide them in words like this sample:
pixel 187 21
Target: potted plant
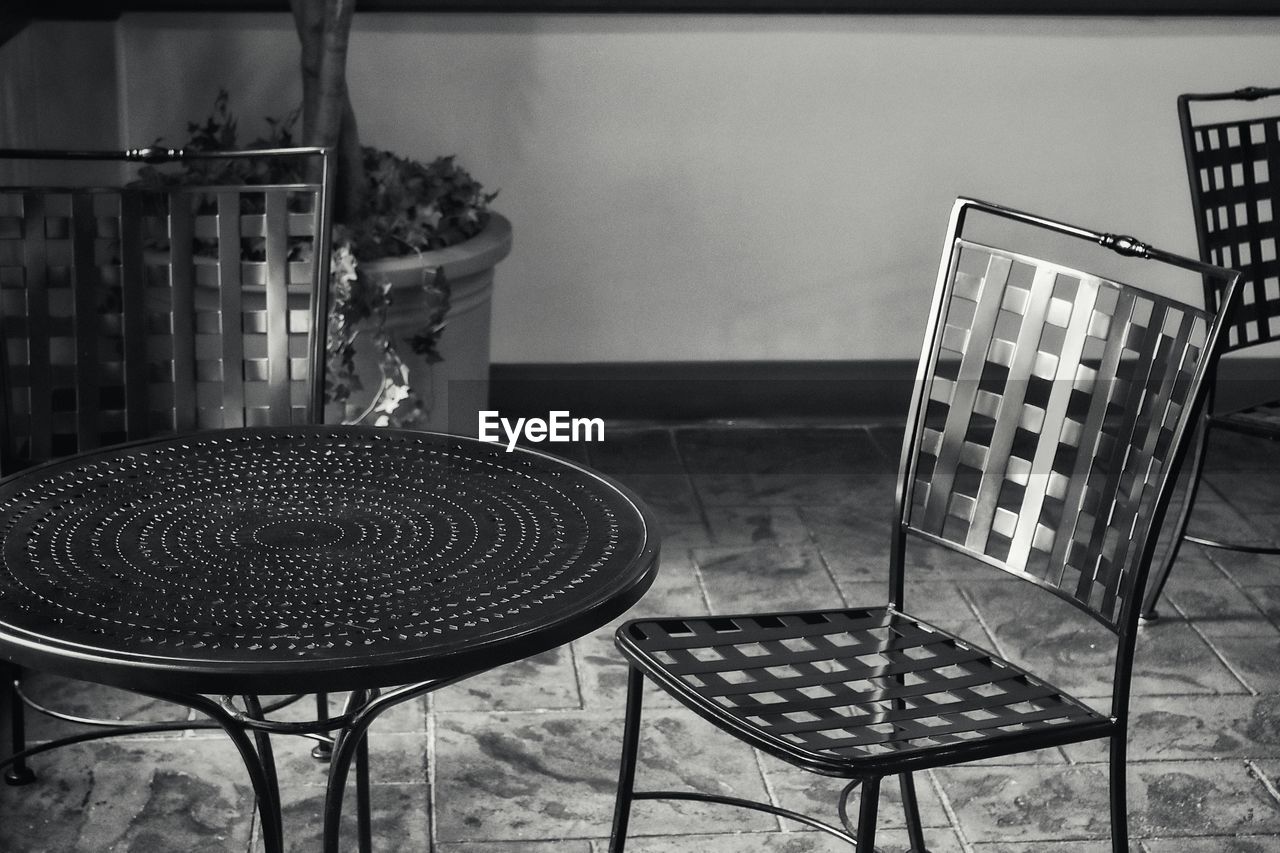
pixel 415 246
pixel 395 208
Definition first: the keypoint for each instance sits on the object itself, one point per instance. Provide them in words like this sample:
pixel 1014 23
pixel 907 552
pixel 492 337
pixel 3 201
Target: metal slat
pixel 1099 401
pixel 1111 468
pixel 966 389
pixel 182 316
pixel 277 243
pixel 1158 406
pixel 39 382
pixel 229 285
pixel 132 286
pixel 1008 416
pixel 1055 417
pixel 86 282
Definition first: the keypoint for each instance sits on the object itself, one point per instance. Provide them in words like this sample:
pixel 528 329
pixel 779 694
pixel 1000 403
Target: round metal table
pixel 309 559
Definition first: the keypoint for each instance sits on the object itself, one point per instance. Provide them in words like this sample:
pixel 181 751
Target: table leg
pixel 322 751
pixel 13 718
pixel 261 766
pixel 352 743
pixel 268 760
pixel 363 818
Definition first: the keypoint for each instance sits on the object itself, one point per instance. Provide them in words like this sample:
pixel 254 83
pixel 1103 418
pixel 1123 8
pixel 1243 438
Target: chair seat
pixel 1261 420
pixel 848 692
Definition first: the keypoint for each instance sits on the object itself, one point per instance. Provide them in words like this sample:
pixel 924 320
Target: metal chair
pixel 1231 141
pixel 1050 408
pixel 135 309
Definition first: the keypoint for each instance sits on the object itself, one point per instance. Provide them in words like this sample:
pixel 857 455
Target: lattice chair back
pixel 1048 405
pixel 132 310
pixel 1231 159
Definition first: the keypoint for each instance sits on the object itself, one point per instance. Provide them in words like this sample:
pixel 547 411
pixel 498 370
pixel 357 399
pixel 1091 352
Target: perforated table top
pixel 312 558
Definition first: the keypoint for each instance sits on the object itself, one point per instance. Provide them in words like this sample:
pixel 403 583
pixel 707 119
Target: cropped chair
pixel 1050 408
pixel 136 309
pixel 1231 142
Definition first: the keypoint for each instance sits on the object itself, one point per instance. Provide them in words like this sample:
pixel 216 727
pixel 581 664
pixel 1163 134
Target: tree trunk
pixel 324 27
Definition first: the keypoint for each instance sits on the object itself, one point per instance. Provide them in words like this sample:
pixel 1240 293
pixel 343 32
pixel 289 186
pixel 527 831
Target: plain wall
pixel 44 97
pixel 732 187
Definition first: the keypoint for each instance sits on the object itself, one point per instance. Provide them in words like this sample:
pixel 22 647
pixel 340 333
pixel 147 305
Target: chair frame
pixel 866 773
pixel 1209 420
pixel 12 698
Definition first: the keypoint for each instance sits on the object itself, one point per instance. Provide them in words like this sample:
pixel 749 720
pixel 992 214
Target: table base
pixel 343 739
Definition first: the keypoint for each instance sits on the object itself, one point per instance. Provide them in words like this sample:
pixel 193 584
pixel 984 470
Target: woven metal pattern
pixel 848 685
pixel 1238 203
pixel 1026 458
pixel 129 313
pixel 280 554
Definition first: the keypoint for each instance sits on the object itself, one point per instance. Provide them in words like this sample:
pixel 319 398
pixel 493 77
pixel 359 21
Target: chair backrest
pixel 1231 141
pixel 137 308
pixel 1051 407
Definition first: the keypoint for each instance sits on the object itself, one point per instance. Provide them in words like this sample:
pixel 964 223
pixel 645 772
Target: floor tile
pixel 808 451
pixel 819 796
pixel 564 845
pixel 1255 659
pixel 786 577
pixel 399 758
pixel 939 603
pixel 1053 639
pixel 132 796
pixel 1077 846
pixel 545 681
pixel 85 699
pixel 759 525
pixel 542 776
pixel 1200 798
pixel 630 452
pixel 1030 804
pixel 1201 593
pixel 603 673
pixel 1246 487
pixel 1215 844
pixel 1248 570
pixel 407 716
pixel 809 841
pixel 398 816
pixel 1217 512
pixel 1191 727
pixel 670 496
pixel 676 590
pixel 1233 451
pixel 854 541
pixel 1268 599
pixel 740 489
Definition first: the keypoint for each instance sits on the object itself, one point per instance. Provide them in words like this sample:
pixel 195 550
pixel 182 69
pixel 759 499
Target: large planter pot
pixel 457 388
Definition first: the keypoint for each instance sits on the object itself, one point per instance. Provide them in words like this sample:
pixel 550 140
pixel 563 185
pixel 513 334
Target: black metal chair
pixel 1050 408
pixel 1231 141
pixel 137 309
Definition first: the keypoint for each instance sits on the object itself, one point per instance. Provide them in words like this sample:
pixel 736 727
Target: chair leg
pixel 868 806
pixel 1119 800
pixel 910 805
pixel 322 751
pixel 630 752
pixel 13 711
pixel 1160 573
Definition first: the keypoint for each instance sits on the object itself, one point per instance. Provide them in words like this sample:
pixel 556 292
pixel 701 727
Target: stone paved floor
pixel 755 515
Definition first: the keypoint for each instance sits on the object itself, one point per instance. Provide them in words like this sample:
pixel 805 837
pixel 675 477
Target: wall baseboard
pixel 860 391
